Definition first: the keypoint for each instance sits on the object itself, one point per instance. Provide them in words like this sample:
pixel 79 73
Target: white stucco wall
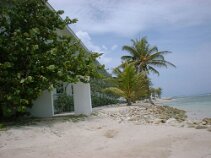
pixel 43 105
pixel 82 98
pixel 68 87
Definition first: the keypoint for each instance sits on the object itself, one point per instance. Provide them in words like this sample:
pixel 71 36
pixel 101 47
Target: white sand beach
pixel 103 137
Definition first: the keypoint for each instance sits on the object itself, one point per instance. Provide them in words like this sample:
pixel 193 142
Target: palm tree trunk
pixel 129 102
pixel 150 101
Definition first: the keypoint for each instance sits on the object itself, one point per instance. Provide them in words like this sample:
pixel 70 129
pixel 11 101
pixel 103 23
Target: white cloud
pixel 104 59
pixel 104 47
pixel 169 21
pixel 86 39
pixel 114 47
pixel 130 17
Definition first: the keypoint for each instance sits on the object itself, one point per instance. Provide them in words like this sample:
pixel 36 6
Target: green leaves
pixel 51 67
pixel 26 80
pixel 128 83
pixel 36 54
pixel 145 57
pixel 156 92
pixel 115 91
pixel 70 21
pixel 22 81
pixel 6 65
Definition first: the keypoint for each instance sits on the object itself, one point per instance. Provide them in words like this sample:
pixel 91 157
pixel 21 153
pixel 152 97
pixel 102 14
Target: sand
pixel 102 138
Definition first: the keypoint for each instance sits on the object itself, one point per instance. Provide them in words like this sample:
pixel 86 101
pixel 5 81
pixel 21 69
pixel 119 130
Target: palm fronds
pixel 128 83
pixel 146 57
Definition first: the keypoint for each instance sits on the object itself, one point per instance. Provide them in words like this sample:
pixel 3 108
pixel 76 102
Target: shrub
pixel 35 56
pixel 63 103
pixel 103 100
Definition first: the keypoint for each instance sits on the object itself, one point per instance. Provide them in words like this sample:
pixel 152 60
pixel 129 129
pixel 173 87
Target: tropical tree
pixel 145 57
pixel 156 92
pixel 159 92
pixel 34 56
pixel 128 83
pixel 152 92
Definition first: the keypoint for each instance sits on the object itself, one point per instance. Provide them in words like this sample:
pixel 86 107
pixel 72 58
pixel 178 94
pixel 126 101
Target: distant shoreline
pixel 197 107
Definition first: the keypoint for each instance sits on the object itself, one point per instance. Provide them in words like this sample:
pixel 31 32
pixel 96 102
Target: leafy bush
pixel 103 100
pixel 128 83
pixel 35 56
pixel 2 126
pixel 99 98
pixel 63 103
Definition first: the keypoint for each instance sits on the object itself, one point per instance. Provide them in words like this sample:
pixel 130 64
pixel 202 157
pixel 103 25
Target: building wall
pixel 82 98
pixel 43 105
pixel 68 88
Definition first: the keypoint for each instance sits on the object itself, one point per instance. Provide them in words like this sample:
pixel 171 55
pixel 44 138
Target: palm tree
pixel 159 92
pixel 145 57
pixel 128 83
pixel 156 92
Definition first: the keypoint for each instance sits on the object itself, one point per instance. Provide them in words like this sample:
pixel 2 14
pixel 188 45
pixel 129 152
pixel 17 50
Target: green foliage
pixel 63 103
pixel 159 92
pixel 128 83
pixel 100 98
pixel 103 100
pixel 35 56
pixel 145 57
pixel 156 92
pixel 2 126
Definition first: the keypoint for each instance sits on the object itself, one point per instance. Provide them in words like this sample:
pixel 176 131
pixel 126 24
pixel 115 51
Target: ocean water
pixel 197 107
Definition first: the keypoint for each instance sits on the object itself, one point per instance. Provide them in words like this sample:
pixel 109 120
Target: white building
pixel 44 105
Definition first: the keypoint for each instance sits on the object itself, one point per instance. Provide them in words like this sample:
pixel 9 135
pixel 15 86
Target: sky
pixel 181 26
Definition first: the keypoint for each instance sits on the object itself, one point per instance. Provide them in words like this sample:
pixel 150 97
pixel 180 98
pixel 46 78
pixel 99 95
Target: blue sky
pixel 182 27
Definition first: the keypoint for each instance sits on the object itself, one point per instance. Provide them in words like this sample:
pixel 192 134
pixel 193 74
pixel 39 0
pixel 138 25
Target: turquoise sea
pixel 197 107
